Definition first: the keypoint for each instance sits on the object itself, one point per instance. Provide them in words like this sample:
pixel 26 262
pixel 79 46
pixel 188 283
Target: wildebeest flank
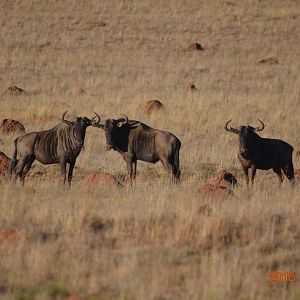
pixel 135 140
pixel 256 152
pixel 61 144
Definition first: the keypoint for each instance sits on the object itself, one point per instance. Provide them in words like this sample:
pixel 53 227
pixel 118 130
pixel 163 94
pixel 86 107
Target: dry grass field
pixel 153 240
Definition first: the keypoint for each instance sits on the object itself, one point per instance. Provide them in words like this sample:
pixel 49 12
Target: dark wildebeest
pixel 61 144
pixel 137 141
pixel 262 153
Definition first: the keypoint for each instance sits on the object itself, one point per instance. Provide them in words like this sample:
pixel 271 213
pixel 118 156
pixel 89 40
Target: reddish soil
pixel 153 106
pixel 269 61
pixel 8 126
pixel 98 178
pixel 4 164
pixel 9 236
pixel 219 185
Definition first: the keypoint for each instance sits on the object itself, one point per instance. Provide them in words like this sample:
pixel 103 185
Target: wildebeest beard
pixel 117 139
pixel 109 140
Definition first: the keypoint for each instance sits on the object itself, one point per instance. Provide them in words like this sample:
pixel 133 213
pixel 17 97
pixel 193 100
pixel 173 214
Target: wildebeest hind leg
pixel 26 169
pixel 168 167
pixel 289 172
pixel 279 174
pixel 63 166
pixel 134 169
pixel 20 166
pixel 130 169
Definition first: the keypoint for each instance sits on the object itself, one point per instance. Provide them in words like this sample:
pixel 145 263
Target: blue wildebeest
pixel 137 141
pixel 262 153
pixel 61 144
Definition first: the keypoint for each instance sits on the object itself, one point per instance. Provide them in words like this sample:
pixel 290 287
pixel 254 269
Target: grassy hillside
pixel 153 240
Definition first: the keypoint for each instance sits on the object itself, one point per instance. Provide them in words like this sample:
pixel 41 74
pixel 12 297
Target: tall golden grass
pixel 151 241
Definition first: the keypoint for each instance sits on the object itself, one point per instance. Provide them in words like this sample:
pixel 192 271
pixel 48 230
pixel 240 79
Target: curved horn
pixel 226 125
pixel 125 119
pixel 230 129
pixel 96 116
pixel 63 116
pixel 262 126
pixel 70 123
pixel 122 121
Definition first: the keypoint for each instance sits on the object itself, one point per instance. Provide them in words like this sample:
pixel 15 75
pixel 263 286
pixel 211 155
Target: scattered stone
pixel 153 106
pixel 98 224
pixel 8 126
pixel 269 61
pixel 191 88
pixel 195 46
pixel 100 24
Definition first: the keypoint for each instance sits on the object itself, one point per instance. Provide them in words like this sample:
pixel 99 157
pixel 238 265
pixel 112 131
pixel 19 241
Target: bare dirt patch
pixel 99 179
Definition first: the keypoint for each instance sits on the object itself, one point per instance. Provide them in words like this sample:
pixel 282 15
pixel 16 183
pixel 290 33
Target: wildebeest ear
pixel 234 130
pixel 69 123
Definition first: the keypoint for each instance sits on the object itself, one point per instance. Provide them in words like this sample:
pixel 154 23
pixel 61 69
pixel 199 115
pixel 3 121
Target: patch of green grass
pixel 54 291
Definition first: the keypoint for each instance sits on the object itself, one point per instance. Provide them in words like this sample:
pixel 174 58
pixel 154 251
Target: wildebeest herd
pixel 135 141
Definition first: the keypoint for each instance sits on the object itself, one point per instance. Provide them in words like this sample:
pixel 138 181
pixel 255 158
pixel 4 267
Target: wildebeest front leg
pixel 70 174
pixel 134 169
pixel 246 173
pixel 63 166
pixel 253 172
pixel 129 163
pixel 279 174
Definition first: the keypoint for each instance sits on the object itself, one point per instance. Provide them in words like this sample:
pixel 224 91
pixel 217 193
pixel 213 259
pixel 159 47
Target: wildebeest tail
pixel 176 161
pixel 14 160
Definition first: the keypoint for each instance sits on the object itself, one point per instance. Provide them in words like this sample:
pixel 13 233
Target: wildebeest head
pixel 82 122
pixel 247 138
pixel 79 124
pixel 116 132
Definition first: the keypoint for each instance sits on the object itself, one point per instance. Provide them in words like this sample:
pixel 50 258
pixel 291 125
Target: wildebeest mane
pixel 62 137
